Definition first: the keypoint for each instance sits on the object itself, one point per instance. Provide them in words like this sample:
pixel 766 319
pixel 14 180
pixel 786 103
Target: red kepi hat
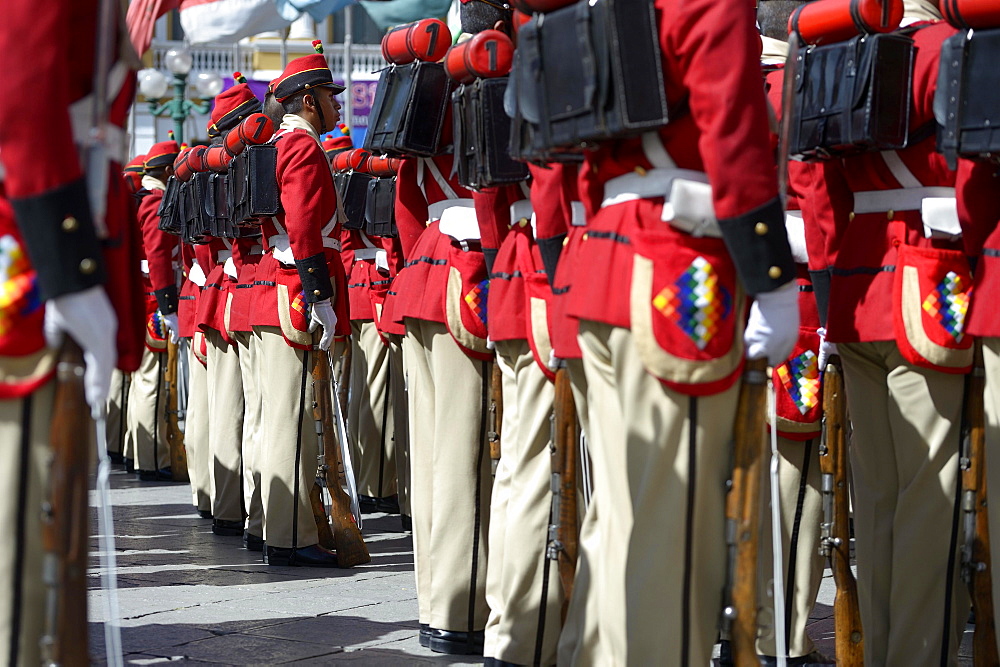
pixel 333 144
pixel 303 74
pixel 162 154
pixel 133 173
pixel 232 106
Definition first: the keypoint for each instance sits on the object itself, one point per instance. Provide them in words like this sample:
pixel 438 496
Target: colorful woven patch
pixel 476 299
pixel 18 285
pixel 299 303
pixel 800 376
pixel 696 302
pixel 156 327
pixel 949 303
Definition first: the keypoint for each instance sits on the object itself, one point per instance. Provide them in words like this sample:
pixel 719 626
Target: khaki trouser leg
pixel 225 427
pixel 148 413
pixel 420 402
pixel 400 422
pixel 251 450
pixel 498 506
pixel 801 504
pixel 904 458
pixel 526 594
pixel 196 434
pixel 661 591
pixel 370 410
pixel 461 479
pixel 580 633
pixel 116 413
pixel 288 435
pixel 24 472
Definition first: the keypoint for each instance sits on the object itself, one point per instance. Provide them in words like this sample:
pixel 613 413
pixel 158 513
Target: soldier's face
pixel 329 104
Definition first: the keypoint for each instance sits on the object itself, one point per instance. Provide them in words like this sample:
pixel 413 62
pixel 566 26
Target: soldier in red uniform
pixel 441 298
pixel 661 330
pixel 54 269
pixel 871 246
pixel 302 287
pixel 147 413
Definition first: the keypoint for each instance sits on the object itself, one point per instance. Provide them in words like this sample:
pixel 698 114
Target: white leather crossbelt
pixel 282 250
pixel 901 199
pixel 367 253
pixel 688 206
pixel 460 223
pixel 435 210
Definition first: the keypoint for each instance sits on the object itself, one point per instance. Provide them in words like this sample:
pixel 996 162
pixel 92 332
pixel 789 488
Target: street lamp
pixel 153 85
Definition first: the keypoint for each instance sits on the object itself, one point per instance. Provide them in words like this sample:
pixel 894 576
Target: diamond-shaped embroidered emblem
pixel 156 326
pixel 800 376
pixel 948 304
pixel 299 303
pixel 476 299
pixel 696 302
pixel 18 285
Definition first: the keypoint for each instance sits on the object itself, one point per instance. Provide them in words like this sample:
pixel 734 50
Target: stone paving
pixel 190 597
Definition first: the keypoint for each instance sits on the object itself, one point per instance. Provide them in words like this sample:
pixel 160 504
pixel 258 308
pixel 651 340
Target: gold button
pixel 565 241
pixel 316 292
pixel 640 171
pixel 890 215
pixel 850 217
pixel 774 273
pixel 586 236
pixel 311 269
pixel 70 224
pixel 760 228
pixel 88 266
pixel 523 222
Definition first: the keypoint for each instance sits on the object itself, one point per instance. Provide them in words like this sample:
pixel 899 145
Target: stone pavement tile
pixel 241 649
pixel 821 633
pixel 346 632
pixel 398 612
pixel 143 638
pixel 382 657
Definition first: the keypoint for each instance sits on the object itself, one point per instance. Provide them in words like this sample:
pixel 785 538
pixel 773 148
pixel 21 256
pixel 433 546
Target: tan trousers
pixel 248 353
pixel 526 594
pixel 196 435
pixel 451 480
pixel 225 427
pixel 579 635
pixel 801 503
pixel 116 411
pixel 24 472
pixel 147 413
pixel 904 458
pixel 400 422
pixel 662 459
pixel 370 418
pixel 288 441
pixel 498 507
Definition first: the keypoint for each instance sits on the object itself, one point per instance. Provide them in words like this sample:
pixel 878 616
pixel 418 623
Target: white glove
pixel 826 349
pixel 173 326
pixel 323 316
pixel 90 319
pixel 773 327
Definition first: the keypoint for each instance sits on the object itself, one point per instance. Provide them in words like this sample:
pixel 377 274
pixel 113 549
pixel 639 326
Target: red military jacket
pixel 978 194
pixel 44 204
pixel 681 295
pixel 215 304
pixel 187 302
pixel 307 227
pixel 246 256
pixel 443 279
pixel 888 280
pixel 362 256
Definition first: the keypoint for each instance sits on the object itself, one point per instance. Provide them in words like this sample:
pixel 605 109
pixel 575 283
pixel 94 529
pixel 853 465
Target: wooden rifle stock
pixel 563 544
pixel 743 513
pixel 65 511
pixel 976 570
pixel 496 414
pixel 835 537
pixel 350 545
pixel 175 437
pixel 323 530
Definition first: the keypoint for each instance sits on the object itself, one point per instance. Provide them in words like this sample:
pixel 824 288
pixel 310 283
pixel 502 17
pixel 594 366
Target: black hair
pixel 478 15
pixel 273 109
pixel 772 16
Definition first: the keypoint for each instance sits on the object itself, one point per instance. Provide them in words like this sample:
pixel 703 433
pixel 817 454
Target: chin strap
pixel 322 118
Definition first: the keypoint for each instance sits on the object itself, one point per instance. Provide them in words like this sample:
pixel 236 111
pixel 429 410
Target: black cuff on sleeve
pixel 550 249
pixel 758 244
pixel 490 256
pixel 315 277
pixel 166 299
pixel 821 288
pixel 59 234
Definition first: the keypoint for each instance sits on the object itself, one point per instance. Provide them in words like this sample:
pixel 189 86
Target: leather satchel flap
pixel 568 63
pixel 380 208
pixel 498 166
pixel 979 114
pixel 426 111
pixel 638 63
pixel 374 136
pixel 354 194
pixel 262 163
